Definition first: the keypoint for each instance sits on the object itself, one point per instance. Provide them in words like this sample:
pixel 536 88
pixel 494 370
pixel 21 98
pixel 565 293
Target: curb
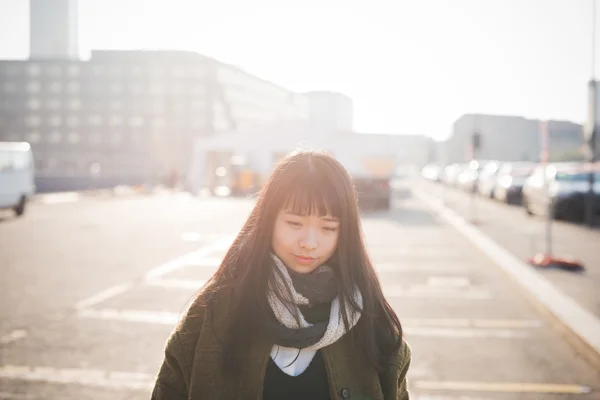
pixel 578 326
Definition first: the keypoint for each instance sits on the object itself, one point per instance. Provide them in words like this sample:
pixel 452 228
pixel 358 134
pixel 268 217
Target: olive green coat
pixel 192 365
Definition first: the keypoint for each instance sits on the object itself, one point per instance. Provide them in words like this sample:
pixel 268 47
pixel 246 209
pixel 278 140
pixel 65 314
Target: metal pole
pixel 545 159
pixel 550 213
pixel 590 203
pixel 474 153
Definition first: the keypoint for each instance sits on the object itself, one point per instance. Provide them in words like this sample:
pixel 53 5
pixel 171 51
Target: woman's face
pixel 304 242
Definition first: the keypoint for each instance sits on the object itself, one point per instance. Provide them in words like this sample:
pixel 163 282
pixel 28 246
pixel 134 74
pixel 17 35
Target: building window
pixel 72 120
pixel 73 137
pixel 198 89
pixel 34 69
pixel 73 87
pixel 34 103
pixel 116 105
pixel 55 120
pixel 33 87
pixel 33 137
pixel 136 121
pixel 73 70
pixel 56 87
pixel 95 120
pixel 54 103
pixel 33 120
pixel 157 88
pixel 116 88
pixel 75 104
pixel 197 123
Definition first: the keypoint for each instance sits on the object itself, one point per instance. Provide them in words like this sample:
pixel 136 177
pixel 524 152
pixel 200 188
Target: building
pixel 125 117
pixel 511 138
pixel 332 110
pixel 53 29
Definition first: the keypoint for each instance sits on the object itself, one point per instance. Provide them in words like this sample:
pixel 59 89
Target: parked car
pixel 566 190
pixel 432 172
pixel 487 179
pixel 468 178
pixel 510 180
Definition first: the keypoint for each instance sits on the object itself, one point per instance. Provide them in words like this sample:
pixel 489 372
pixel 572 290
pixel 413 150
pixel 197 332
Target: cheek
pixel 282 237
pixel 330 244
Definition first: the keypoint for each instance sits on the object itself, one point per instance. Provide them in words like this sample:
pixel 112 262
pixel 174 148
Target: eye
pixel 331 228
pixel 293 223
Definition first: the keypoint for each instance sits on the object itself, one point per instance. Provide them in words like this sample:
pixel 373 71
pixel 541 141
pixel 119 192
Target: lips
pixel 304 260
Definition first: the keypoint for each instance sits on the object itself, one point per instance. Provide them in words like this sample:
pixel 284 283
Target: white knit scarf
pixel 284 356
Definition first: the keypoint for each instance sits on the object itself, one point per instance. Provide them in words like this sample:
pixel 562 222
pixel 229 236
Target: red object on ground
pixel 545 261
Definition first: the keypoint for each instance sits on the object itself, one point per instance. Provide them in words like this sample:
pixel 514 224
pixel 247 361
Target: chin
pixel 304 269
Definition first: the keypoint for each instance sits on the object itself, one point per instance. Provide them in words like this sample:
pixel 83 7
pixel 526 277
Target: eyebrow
pixel 326 219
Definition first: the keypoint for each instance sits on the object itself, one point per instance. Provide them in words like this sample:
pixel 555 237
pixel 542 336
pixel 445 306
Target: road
pixel 92 287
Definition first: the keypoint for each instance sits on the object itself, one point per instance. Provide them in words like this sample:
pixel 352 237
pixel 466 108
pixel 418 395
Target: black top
pixel 311 384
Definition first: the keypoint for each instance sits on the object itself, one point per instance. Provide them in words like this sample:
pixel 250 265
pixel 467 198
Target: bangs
pixel 311 194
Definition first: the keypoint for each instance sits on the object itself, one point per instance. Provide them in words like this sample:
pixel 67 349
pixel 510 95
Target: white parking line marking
pixel 103 296
pixel 13 336
pixel 148 317
pixel 411 267
pixel 176 283
pixel 432 292
pixel 212 262
pixel 464 333
pixel 473 323
pixel 438 397
pixel 85 377
pixel 448 281
pixel 579 320
pixel 195 258
pixel 183 261
pixel 505 387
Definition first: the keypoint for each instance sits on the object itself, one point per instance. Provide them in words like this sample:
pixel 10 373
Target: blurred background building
pixel 510 138
pixel 331 110
pixel 124 117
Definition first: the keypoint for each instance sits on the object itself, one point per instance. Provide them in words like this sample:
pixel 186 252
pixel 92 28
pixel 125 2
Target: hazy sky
pixel 411 66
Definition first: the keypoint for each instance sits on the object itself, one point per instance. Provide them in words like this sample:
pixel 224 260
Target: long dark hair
pixel 308 182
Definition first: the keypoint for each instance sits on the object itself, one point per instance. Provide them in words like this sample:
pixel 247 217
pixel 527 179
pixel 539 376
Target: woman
pixel 295 310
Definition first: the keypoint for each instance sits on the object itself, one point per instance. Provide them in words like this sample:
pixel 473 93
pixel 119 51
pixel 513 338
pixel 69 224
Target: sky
pixel 411 66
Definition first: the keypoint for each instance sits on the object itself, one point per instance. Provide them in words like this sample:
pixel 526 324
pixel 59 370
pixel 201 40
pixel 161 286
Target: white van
pixel 17 175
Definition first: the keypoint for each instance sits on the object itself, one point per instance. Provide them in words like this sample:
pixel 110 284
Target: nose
pixel 310 240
